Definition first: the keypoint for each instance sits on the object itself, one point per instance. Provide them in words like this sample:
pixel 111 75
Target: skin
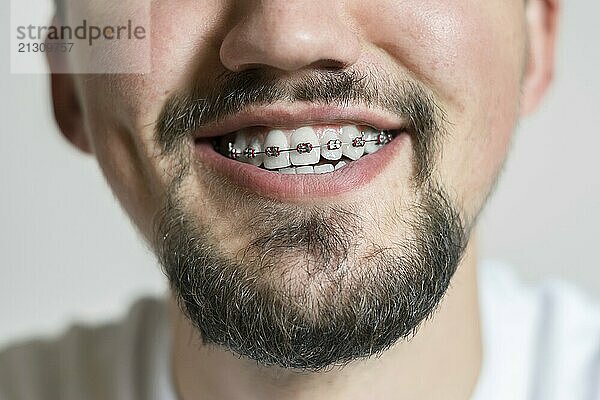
pixel 488 64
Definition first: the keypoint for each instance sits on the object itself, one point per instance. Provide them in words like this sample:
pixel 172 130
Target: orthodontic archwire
pixel 306 147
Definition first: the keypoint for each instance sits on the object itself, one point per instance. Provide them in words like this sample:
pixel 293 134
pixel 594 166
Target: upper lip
pixel 292 116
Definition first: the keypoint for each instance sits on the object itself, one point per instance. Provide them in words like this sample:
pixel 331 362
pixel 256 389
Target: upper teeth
pixel 333 145
pixel 276 141
pixel 352 148
pixel 305 146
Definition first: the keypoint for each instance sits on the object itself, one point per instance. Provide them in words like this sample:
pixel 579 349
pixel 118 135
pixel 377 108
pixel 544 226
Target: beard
pixel 314 287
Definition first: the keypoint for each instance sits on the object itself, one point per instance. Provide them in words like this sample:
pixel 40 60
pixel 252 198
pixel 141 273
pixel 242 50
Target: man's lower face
pixel 318 268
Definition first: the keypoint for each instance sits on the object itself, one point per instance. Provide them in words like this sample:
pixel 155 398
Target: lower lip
pixel 352 177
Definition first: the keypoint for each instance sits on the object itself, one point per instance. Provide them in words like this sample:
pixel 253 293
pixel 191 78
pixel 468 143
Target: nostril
pixel 329 64
pixel 290 39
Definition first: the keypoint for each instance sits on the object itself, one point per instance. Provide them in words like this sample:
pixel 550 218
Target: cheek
pixel 471 54
pixel 120 154
pixel 460 48
pixel 121 110
pixel 186 40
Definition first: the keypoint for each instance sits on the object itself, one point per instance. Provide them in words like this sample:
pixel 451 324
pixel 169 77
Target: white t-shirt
pixel 540 343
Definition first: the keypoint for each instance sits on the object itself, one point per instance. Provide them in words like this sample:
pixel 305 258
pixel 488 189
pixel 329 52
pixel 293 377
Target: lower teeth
pixel 226 146
pixel 320 168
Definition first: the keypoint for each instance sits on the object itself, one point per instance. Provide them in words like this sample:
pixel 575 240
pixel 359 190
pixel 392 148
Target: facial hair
pixel 314 288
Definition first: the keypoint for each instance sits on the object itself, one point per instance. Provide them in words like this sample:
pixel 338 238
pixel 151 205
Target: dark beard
pixel 313 288
pixel 334 312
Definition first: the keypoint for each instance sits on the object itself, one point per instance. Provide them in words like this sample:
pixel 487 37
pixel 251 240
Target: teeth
pixel 257 147
pixel 349 133
pixel 240 144
pixel 275 158
pixel 330 149
pixel 305 147
pixel 288 171
pixel 339 165
pixel 307 169
pixel 370 137
pixel 323 169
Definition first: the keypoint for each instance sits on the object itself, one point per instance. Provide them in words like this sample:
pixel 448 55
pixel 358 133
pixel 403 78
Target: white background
pixel 68 252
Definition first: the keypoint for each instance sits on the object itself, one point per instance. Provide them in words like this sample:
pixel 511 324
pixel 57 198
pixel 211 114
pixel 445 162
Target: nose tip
pixel 290 36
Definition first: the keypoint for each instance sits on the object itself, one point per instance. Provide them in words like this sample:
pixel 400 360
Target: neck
pixel 442 361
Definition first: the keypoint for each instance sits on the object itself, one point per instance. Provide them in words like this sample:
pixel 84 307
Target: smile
pixel 301 153
pixel 306 150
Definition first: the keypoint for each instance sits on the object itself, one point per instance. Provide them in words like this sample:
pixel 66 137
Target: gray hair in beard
pixel 337 314
pixel 198 106
pixel 352 313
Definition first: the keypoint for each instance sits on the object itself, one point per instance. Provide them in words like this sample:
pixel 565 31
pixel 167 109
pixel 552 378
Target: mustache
pixel 232 92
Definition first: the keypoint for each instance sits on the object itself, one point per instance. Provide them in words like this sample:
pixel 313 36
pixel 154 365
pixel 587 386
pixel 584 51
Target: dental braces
pixel 305 148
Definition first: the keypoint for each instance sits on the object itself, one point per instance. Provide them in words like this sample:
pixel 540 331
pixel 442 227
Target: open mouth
pixel 302 152
pixel 318 149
